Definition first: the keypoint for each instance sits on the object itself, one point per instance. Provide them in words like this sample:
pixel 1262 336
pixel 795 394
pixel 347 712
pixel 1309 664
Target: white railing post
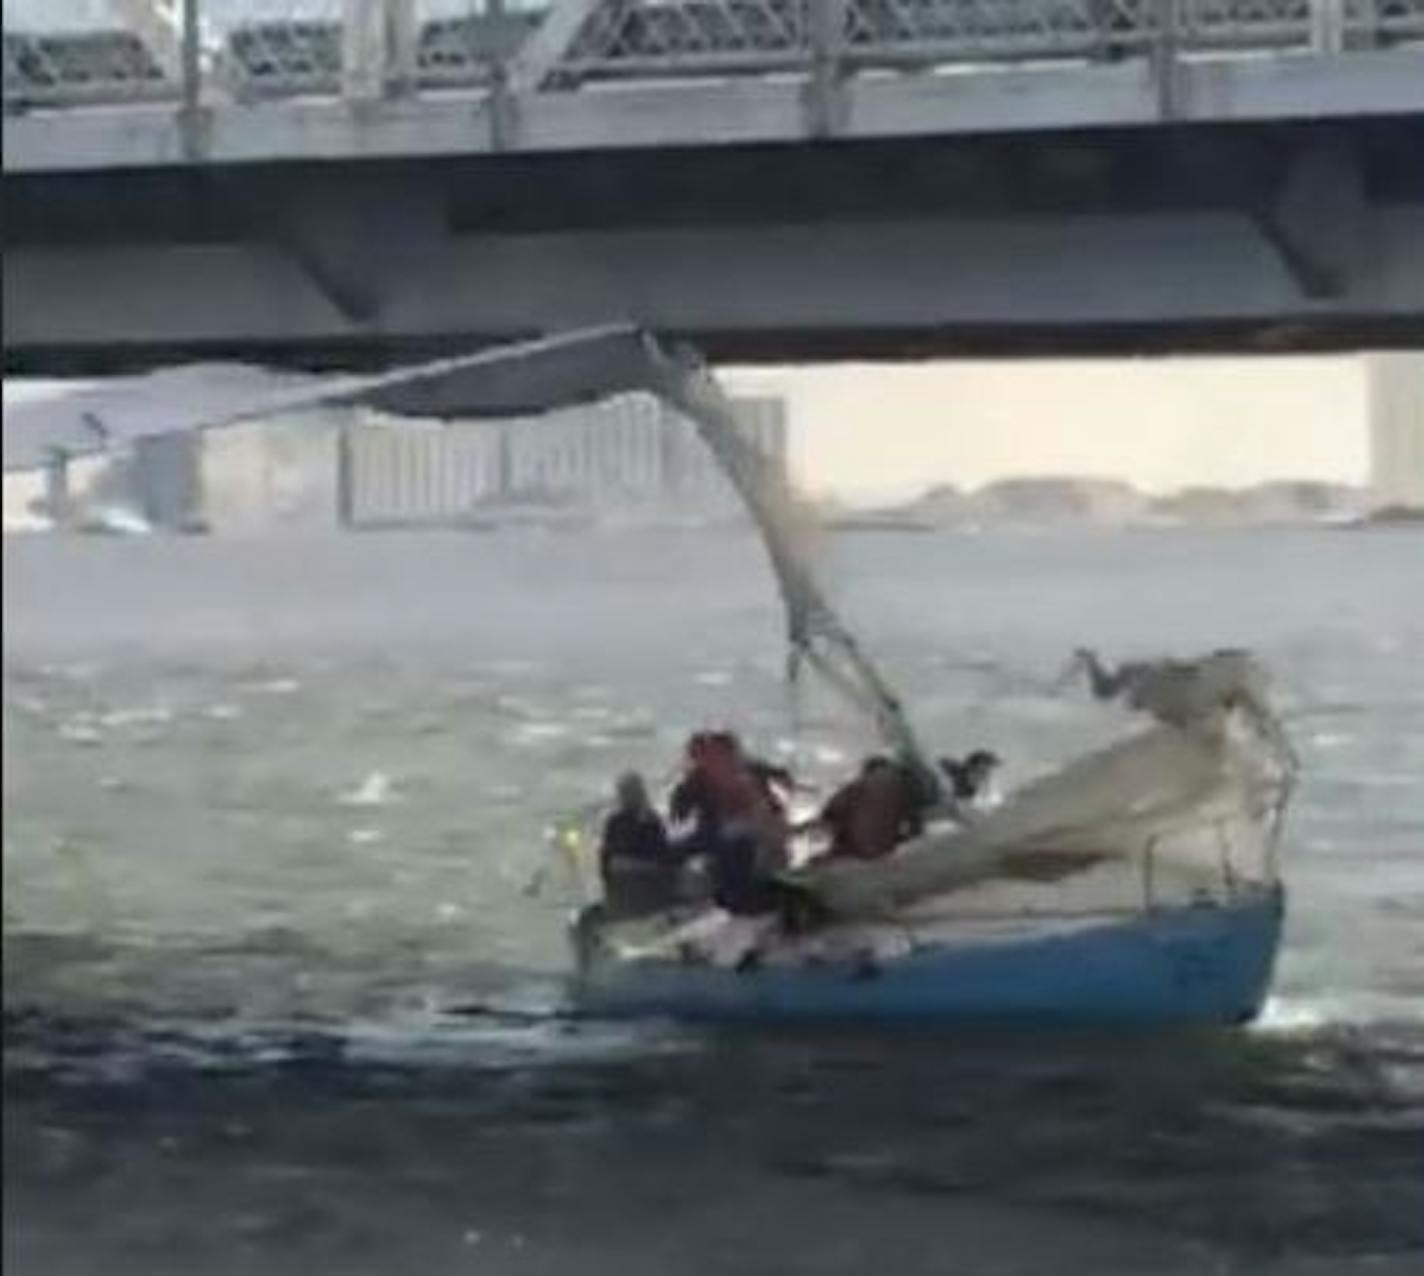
pixel 155 26
pixel 503 120
pixel 192 61
pixel 363 50
pixel 1164 58
pixel 825 104
pixel 402 46
pixel 1327 26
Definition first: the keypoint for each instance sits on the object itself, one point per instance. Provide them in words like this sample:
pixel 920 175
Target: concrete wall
pixel 277 475
pixel 1396 407
pixel 604 454
pixel 624 453
pixel 403 474
pixel 1106 282
pixel 165 478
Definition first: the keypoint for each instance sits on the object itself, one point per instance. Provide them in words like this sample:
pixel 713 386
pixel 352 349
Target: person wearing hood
pixel 639 866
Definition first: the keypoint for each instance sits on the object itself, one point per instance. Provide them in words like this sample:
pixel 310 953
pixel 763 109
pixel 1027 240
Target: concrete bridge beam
pixel 947 284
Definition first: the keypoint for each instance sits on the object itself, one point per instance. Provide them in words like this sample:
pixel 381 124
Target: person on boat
pixel 776 782
pixel 739 823
pixel 640 867
pixel 971 781
pixel 690 805
pixel 692 799
pixel 872 814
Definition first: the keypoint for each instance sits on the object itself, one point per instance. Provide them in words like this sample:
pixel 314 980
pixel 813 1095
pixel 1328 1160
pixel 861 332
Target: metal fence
pixel 84 52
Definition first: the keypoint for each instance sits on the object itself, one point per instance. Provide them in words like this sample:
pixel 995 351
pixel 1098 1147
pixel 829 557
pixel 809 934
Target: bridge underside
pixel 1285 236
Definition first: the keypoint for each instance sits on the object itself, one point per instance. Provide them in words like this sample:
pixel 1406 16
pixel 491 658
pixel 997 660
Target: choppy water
pixel 277 990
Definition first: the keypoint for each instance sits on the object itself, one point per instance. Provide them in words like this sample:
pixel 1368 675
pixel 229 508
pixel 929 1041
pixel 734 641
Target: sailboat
pixel 1137 883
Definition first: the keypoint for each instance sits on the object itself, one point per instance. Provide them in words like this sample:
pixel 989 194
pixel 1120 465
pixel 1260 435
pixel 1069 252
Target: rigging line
pixel 687 384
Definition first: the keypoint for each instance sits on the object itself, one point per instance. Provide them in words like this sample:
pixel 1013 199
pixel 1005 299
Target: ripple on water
pixel 273 687
pixel 375 789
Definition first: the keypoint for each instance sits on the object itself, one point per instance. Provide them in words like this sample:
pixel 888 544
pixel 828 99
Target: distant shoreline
pixel 1049 502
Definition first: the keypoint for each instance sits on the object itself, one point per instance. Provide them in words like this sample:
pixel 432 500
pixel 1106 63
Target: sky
pixel 874 432
pixel 868 432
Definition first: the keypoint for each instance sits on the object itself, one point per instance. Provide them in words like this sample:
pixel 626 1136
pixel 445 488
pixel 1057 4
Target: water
pixel 279 993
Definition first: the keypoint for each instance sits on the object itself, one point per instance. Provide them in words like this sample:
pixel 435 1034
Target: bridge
pixel 351 181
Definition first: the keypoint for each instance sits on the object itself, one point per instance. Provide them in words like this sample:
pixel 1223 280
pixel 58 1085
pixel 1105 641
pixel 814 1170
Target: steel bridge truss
pixel 146 50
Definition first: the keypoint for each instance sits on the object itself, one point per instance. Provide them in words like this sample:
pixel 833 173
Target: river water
pixel 282 969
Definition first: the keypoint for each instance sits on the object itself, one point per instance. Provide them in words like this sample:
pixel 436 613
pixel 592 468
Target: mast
pixel 815 632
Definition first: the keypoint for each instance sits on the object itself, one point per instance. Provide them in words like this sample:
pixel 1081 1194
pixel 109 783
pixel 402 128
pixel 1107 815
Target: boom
pixel 524 377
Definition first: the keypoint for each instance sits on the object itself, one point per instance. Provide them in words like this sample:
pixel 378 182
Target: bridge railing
pixel 75 53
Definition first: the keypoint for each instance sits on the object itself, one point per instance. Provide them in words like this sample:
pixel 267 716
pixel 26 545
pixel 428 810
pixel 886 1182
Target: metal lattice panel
pixel 307 56
pixel 90 66
pixel 1206 24
pixel 950 30
pixel 1384 22
pixel 278 58
pixel 462 50
pixel 628 37
pixel 624 37
pixel 633 37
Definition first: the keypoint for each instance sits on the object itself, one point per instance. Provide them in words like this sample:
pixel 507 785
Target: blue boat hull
pixel 1202 964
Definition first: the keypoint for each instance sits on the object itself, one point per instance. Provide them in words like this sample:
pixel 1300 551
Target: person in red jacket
pixel 872 814
pixel 740 824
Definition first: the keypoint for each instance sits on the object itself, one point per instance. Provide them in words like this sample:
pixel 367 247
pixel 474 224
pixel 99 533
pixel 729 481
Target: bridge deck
pixel 365 181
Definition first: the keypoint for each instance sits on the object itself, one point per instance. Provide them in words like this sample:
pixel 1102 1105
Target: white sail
pixel 523 377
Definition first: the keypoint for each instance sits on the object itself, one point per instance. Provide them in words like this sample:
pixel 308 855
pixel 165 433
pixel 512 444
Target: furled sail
pixel 1200 793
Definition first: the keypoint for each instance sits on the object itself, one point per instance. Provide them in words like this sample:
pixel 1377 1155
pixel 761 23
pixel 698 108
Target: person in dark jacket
pixel 691 800
pixel 639 866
